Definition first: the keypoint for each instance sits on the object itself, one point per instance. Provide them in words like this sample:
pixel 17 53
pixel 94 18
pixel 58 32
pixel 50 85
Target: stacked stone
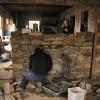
pixel 6 76
pixel 71 54
pixel 9 92
pixel 96 64
pixel 20 53
pixel 22 47
pixel 15 39
pixel 53 40
pixel 53 45
pixel 84 58
pixel 79 52
pixel 16 53
pixel 58 63
pixel 25 48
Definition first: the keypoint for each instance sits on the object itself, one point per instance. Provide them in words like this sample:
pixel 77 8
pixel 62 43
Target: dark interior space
pixel 72 22
pixel 22 12
pixel 49 49
pixel 84 24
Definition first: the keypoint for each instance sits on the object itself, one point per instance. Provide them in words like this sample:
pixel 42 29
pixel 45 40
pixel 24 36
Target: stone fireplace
pixel 71 54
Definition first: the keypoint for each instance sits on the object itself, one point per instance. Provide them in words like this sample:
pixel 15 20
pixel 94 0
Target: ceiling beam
pixel 41 2
pixel 51 2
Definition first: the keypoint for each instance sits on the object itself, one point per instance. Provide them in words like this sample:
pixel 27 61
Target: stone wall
pixel 96 54
pixel 71 54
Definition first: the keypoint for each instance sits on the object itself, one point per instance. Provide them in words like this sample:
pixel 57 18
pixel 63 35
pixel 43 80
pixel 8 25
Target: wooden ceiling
pixel 50 2
pixel 37 9
pixel 44 6
pixel 53 2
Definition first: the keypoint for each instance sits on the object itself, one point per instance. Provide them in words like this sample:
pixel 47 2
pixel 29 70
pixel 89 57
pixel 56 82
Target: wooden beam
pixel 43 2
pixel 54 2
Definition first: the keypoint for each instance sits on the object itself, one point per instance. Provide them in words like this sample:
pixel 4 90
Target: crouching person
pixel 40 64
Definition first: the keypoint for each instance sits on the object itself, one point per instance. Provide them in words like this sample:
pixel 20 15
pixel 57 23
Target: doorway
pixel 34 25
pixel 84 21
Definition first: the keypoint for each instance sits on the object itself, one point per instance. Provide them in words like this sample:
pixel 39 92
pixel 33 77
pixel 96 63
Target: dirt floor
pixel 32 96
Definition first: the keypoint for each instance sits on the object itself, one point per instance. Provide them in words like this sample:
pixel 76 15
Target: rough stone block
pixel 36 42
pixel 8 88
pixel 17 66
pixel 6 74
pixel 35 33
pixel 9 97
pixel 82 85
pixel 16 95
pixel 80 58
pixel 88 87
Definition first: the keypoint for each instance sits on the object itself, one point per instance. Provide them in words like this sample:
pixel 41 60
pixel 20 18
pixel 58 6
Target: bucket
pixel 76 93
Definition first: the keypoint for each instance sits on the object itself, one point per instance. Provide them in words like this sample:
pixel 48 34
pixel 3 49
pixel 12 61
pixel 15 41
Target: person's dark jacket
pixel 69 29
pixel 40 63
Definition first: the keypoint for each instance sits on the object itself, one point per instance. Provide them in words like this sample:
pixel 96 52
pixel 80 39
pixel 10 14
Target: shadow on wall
pixel 66 66
pixel 61 64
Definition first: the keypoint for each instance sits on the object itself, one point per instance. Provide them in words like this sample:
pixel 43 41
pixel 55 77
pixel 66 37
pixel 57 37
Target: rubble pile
pixel 7 85
pixel 8 92
pixel 56 86
pixel 96 91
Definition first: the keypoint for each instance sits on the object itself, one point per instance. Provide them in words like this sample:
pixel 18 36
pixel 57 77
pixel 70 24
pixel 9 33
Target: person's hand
pixel 66 29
